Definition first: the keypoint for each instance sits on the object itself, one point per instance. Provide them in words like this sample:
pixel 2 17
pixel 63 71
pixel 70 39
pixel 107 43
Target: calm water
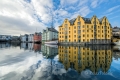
pixel 51 62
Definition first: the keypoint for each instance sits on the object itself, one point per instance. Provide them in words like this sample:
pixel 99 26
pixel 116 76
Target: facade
pixel 94 57
pixel 116 34
pixel 116 31
pixel 15 39
pixel 5 37
pixel 49 34
pixel 37 37
pixel 85 30
pixel 30 38
pixel 24 38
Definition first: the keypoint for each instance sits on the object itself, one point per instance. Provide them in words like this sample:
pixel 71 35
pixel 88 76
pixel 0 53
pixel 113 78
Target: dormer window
pixel 78 23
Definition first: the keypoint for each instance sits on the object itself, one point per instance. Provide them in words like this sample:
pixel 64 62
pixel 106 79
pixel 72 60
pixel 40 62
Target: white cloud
pixel 20 17
pixel 84 11
pixel 67 2
pixel 83 2
pixel 94 3
pixel 113 8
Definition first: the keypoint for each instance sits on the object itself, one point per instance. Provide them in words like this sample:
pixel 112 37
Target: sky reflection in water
pixel 41 62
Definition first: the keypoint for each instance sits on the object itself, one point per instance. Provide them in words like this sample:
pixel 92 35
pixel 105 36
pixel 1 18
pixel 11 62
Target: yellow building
pixel 85 30
pixel 81 58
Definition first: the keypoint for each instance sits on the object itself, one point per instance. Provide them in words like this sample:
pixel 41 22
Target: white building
pixel 116 31
pixel 24 38
pixel 49 34
pixel 31 38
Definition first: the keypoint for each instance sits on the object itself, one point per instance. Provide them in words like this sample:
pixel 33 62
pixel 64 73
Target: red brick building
pixel 37 37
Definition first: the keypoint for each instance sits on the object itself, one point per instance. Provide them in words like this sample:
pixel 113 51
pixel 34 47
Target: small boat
pixel 52 42
pixel 54 46
pixel 117 43
pixel 117 47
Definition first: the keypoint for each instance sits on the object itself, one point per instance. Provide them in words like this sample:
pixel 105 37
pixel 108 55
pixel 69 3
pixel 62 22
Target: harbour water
pixel 28 61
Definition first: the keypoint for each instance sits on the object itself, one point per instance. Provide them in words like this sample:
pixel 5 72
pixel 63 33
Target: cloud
pixel 20 17
pixel 24 16
pixel 114 17
pixel 113 8
pixel 94 3
pixel 83 2
pixel 84 11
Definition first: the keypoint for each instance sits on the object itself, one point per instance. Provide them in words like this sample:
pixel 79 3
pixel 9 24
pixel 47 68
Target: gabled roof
pixel 100 20
pixel 87 20
pixel 72 21
pixel 110 25
pixel 52 29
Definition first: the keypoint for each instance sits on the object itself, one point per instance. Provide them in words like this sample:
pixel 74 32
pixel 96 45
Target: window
pixel 91 26
pixel 78 31
pixel 74 40
pixel 92 35
pixel 75 31
pixel 98 27
pixel 87 35
pixel 78 23
pixel 78 36
pixel 92 30
pixel 87 26
pixel 83 35
pixel 78 27
pixel 98 30
pixel 87 40
pixel 74 35
pixel 83 30
pixel 74 27
pixel 65 25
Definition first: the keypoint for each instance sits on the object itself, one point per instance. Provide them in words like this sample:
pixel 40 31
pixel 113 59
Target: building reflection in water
pixel 49 50
pixel 31 47
pixel 95 58
pixel 4 45
pixel 8 45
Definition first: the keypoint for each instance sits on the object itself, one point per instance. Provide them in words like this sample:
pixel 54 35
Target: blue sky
pixel 25 16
